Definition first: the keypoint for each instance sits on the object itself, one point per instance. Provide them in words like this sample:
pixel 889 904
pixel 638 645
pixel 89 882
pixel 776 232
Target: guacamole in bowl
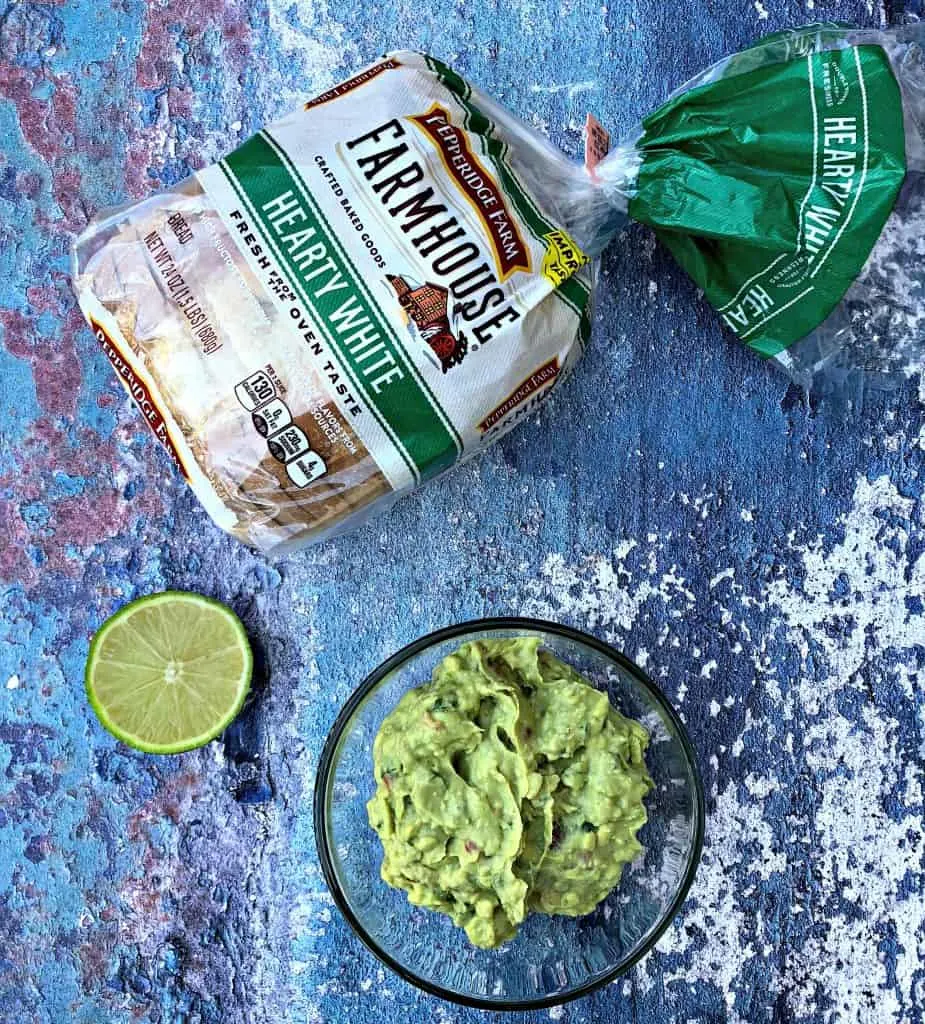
pixel 505 785
pixel 564 737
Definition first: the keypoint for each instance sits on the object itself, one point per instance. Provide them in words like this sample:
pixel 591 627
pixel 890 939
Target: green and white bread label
pixel 771 185
pixel 412 268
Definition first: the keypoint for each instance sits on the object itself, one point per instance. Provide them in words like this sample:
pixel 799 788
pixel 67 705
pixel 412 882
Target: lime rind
pixel 171 597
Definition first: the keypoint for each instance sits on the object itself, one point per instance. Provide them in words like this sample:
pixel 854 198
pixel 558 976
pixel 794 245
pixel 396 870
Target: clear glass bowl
pixel 552 958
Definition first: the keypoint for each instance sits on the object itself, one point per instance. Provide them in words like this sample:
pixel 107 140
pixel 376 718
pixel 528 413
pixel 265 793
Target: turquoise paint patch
pixel 67 485
pixel 47 323
pixel 105 32
pixel 57 981
pixel 19 405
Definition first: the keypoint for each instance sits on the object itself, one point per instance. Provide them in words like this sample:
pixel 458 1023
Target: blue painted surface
pixel 763 555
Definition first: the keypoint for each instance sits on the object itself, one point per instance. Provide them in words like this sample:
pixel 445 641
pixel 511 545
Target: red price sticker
pixel 597 143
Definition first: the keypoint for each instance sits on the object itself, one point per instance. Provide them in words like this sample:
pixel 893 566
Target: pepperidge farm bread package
pixel 392 276
pixel 355 299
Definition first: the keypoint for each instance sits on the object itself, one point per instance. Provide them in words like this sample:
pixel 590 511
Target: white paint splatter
pixel 864 856
pixel 849 613
pixel 718 911
pixel 872 571
pixel 310 47
pixel 592 592
pixel 762 10
pixel 570 88
pixel 726 574
pixel 13 683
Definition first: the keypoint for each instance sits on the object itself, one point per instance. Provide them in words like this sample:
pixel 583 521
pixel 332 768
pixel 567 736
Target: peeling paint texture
pixel 762 553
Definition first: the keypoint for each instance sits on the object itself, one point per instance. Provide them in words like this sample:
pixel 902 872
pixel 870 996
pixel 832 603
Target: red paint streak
pixel 44 299
pixel 84 523
pixel 155 66
pixel 171 801
pixel 46 125
pixel 138 158
pixel 64 107
pixel 197 161
pixel 180 101
pixel 55 366
pixel 74 522
pixel 93 956
pixel 49 127
pixel 66 190
pixel 15 564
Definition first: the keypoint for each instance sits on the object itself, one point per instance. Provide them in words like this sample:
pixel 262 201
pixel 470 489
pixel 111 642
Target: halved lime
pixel 169 672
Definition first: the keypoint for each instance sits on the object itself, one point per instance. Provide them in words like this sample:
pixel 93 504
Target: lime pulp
pixel 169 672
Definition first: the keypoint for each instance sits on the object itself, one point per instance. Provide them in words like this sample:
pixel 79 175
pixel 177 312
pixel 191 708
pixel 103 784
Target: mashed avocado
pixel 507 784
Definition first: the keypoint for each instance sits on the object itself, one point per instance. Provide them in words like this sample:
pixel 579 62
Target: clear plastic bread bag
pixel 789 181
pixel 388 279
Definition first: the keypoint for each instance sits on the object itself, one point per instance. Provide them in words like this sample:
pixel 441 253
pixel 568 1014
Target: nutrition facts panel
pixel 286 441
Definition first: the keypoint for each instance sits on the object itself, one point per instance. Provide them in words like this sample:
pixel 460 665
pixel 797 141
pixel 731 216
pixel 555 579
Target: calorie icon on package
pixel 306 468
pixel 272 417
pixel 255 390
pixel 289 444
